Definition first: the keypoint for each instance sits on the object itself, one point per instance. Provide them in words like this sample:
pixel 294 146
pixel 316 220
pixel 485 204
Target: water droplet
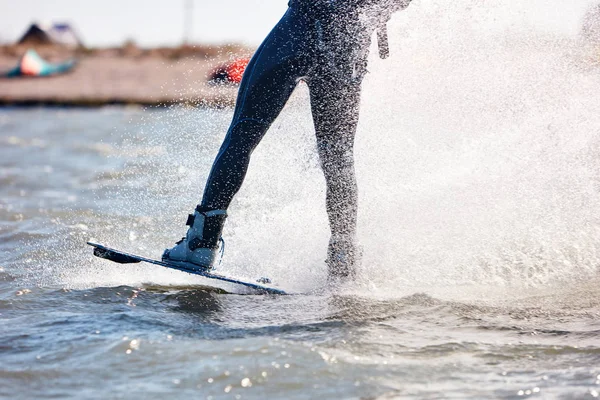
pixel 246 382
pixel 228 388
pixel 520 393
pixel 210 380
pixel 264 374
pixel 176 381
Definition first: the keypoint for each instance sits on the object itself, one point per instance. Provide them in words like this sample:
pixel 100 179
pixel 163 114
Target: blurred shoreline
pixel 126 75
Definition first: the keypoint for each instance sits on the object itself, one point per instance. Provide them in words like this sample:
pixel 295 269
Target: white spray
pixel 477 160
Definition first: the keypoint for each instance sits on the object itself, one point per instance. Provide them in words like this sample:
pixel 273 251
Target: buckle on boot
pixel 190 220
pixel 211 212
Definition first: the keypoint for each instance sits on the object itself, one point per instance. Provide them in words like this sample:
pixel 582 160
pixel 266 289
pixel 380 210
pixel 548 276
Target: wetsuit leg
pixel 268 82
pixel 335 109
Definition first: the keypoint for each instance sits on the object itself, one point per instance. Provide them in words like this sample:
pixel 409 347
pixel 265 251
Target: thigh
pixel 335 110
pixel 273 71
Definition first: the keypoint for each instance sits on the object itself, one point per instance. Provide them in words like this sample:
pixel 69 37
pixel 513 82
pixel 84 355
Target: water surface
pixel 477 164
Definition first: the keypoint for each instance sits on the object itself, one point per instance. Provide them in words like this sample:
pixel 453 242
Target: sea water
pixel 478 159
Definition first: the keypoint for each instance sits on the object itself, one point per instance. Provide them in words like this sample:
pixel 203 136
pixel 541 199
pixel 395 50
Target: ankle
pixel 206 227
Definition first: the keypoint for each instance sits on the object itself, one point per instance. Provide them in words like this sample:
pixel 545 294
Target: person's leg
pixel 335 109
pixel 268 82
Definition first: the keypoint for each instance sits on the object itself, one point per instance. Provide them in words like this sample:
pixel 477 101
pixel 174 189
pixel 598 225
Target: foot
pixel 198 249
pixel 342 257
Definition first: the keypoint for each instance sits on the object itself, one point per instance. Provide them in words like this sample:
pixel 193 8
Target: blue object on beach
pixel 31 64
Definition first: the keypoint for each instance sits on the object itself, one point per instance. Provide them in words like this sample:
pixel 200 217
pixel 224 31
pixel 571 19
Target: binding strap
pixel 211 230
pixel 190 220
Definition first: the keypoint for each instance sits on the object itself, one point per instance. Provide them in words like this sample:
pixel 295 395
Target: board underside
pixel 122 257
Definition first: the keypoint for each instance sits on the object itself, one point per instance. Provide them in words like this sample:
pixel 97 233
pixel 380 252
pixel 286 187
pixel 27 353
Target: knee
pixel 244 135
pixel 339 174
pixel 336 158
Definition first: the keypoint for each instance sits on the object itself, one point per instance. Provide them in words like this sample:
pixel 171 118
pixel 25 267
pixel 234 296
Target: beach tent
pixel 62 34
pixel 31 64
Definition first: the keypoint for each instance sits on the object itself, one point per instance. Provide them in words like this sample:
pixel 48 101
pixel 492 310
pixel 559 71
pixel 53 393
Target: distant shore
pixel 127 75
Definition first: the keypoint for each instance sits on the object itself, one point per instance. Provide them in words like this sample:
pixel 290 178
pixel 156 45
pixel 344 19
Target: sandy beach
pixel 127 75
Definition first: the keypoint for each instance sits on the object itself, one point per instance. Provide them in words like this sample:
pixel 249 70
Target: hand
pixel 388 7
pixel 399 4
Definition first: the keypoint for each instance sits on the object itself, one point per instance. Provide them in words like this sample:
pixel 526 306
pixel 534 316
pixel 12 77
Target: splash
pixel 477 161
pixel 476 157
pixel 478 153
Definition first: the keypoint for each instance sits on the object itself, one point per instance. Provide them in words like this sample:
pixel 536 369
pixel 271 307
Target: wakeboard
pixel 261 285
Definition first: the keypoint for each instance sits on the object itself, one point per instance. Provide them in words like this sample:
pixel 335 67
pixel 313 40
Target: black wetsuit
pixel 324 43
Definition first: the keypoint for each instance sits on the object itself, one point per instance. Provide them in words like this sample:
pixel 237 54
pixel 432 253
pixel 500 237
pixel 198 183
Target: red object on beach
pixel 236 69
pixel 30 65
pixel 231 72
